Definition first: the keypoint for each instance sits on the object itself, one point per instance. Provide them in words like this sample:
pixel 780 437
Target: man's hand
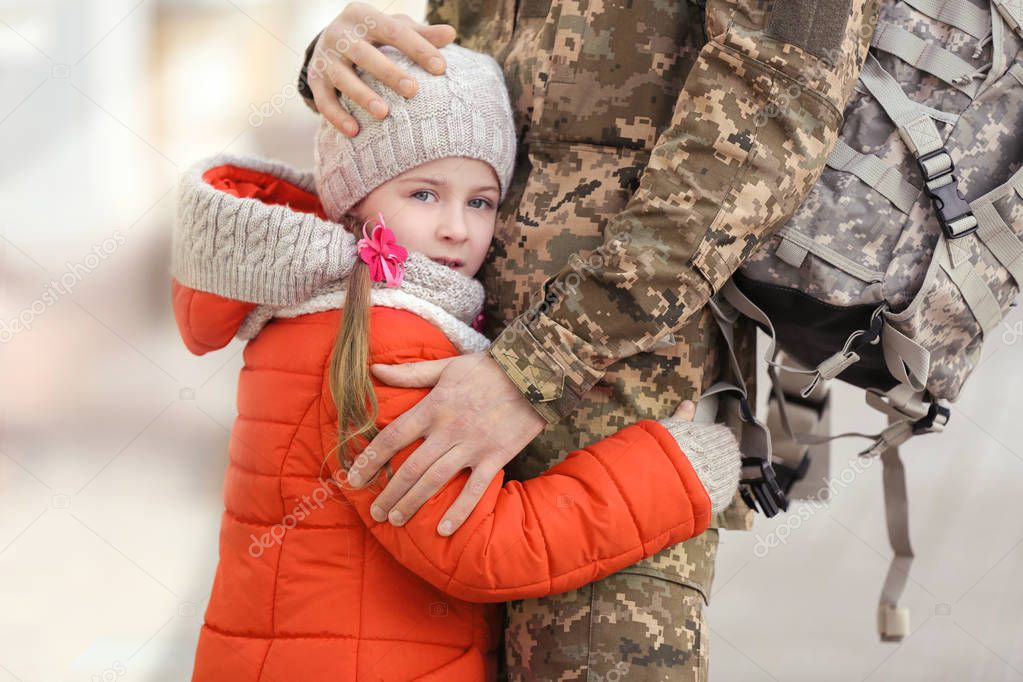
pixel 474 417
pixel 685 410
pixel 351 40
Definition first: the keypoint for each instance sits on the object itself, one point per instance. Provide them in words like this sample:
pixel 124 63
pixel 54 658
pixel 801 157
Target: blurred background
pixel 113 437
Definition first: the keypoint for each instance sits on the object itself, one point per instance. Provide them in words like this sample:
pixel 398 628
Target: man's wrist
pixel 552 382
pixel 543 409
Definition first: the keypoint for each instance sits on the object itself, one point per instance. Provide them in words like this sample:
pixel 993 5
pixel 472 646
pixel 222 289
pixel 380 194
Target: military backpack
pixel 904 257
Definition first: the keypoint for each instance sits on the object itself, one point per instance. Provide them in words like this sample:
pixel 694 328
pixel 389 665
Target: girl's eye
pixel 422 193
pixel 485 203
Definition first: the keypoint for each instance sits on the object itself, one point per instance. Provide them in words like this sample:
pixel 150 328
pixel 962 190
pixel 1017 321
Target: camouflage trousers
pixel 631 626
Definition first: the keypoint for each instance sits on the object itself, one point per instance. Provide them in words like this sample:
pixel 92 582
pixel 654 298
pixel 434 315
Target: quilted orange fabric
pixel 309 587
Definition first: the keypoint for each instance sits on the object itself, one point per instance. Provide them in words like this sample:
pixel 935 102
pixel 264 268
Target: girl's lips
pixel 450 262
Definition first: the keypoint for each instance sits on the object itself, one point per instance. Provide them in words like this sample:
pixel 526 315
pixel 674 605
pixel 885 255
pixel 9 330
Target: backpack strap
pixel 804 471
pixel 907 414
pixel 1012 12
pixel 885 179
pixel 992 229
pixel 914 121
pixel 916 126
pixel 893 620
pixel 906 360
pixel 961 14
pixel 759 485
pixel 929 57
pixel 1004 245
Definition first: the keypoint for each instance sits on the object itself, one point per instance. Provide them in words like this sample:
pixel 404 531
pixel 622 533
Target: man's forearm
pixel 751 131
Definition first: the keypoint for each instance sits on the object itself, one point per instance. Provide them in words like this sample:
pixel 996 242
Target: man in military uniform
pixel 660 144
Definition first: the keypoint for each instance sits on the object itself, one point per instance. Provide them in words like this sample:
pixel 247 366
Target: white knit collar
pixel 464 338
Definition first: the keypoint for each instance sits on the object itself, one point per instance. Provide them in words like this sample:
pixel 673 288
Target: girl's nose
pixel 453 227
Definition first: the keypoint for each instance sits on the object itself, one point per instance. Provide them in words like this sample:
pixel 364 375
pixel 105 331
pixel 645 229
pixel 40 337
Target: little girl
pixel 309 585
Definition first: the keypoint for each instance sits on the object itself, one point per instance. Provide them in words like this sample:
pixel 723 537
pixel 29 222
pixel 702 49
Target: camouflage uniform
pixel 660 144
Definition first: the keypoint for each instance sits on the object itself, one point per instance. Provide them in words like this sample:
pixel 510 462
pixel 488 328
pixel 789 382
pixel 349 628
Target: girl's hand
pixel 351 39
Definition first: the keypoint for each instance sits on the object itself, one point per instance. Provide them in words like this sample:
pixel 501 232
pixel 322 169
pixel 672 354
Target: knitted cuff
pixel 714 454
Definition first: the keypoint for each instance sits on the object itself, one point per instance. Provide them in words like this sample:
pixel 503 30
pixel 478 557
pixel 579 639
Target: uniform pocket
pixel 817 26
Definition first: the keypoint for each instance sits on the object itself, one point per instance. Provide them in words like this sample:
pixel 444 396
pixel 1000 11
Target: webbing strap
pixel 916 126
pixel 754 441
pixel 1012 11
pixel 975 291
pixel 907 361
pixel 1016 70
pixel 927 56
pixel 707 407
pixel 741 303
pixel 758 484
pixel 914 123
pixel 885 179
pixel 896 103
pixel 996 235
pixel 962 14
pixel 893 621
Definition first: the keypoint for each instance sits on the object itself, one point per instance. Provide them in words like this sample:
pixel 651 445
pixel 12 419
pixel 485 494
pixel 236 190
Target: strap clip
pixel 953 212
pixel 788 476
pixel 762 490
pixel 934 421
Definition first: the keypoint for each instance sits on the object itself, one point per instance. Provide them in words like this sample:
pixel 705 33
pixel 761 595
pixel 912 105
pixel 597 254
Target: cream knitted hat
pixel 464 112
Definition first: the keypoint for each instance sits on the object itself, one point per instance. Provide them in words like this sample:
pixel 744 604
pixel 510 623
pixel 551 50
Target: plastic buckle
pixel 934 421
pixel 787 476
pixel 763 492
pixel 949 203
pixel 869 336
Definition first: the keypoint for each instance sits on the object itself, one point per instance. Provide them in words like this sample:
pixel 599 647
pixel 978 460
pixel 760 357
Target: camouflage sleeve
pixel 749 136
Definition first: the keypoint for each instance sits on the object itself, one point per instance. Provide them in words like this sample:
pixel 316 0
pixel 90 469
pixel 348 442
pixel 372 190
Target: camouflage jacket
pixel 660 144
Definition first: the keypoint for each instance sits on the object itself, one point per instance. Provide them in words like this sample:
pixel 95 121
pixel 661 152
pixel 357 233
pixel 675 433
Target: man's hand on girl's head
pixel 474 418
pixel 350 41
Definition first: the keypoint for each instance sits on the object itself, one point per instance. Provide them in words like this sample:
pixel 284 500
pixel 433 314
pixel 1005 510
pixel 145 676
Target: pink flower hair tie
pixel 382 253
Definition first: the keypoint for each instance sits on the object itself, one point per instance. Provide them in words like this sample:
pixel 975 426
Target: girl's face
pixel 445 209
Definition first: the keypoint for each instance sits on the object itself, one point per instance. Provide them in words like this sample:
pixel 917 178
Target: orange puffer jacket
pixel 309 587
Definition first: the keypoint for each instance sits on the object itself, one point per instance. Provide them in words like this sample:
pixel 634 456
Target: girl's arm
pixel 602 509
pixel 206 321
pixel 247 232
